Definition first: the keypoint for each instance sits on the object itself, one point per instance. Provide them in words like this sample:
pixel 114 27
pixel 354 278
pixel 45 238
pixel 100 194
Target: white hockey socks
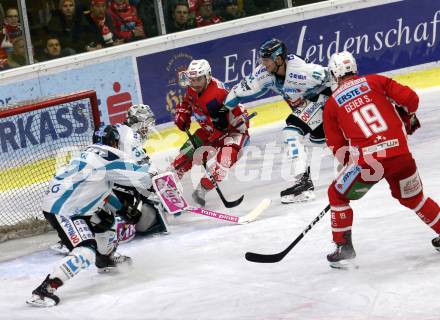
pixel 295 149
pixel 79 258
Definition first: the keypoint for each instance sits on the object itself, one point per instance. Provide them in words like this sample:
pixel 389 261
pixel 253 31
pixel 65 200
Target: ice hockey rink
pixel 198 270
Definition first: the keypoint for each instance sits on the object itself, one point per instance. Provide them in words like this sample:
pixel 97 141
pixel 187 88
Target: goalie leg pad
pixel 152 220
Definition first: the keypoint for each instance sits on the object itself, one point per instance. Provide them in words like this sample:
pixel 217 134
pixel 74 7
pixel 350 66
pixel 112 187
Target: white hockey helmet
pixel 199 68
pixel 141 118
pixel 341 64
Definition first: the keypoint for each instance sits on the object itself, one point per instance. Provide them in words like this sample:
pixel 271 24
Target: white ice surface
pixel 198 271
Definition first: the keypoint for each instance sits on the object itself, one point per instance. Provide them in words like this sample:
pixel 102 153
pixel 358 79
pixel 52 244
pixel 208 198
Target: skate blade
pixel 62 250
pixel 116 269
pixel 344 265
pixel 303 197
pixel 107 270
pixel 36 301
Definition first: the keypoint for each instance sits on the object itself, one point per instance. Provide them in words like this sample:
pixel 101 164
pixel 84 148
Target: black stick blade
pixel 264 258
pixel 231 204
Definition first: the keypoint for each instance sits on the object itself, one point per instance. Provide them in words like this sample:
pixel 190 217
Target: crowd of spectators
pixel 188 14
pixel 76 26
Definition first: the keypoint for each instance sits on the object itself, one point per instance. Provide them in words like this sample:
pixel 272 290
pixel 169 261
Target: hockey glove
pixel 101 221
pixel 410 120
pixel 182 118
pixel 220 121
pixel 130 214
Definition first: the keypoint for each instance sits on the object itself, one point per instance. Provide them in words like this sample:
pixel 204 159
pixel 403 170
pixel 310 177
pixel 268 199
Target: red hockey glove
pixel 410 120
pixel 182 118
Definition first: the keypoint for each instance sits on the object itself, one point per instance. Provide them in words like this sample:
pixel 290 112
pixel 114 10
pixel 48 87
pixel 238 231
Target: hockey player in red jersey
pixel 368 134
pixel 222 132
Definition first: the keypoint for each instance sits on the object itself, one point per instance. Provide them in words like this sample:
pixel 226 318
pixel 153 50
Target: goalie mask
pixel 141 119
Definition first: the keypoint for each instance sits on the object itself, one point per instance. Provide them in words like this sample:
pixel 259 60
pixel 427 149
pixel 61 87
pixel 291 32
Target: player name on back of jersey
pixel 354 95
pixel 348 84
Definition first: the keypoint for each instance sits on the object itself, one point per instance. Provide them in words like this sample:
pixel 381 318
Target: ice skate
pixel 199 195
pixel 60 248
pixel 436 243
pixel 301 191
pixel 344 254
pixel 111 262
pixel 44 295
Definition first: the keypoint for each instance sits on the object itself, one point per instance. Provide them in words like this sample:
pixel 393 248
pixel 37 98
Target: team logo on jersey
pixel 291 90
pixel 260 70
pixel 352 93
pixel 297 76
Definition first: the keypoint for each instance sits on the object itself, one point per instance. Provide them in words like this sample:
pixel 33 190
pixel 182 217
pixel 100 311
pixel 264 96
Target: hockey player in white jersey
pixel 133 135
pixel 72 206
pixel 305 87
pixel 131 220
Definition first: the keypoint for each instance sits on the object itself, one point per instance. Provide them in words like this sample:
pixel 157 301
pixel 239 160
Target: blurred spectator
pixel 192 5
pixel 53 49
pixel 2 15
pixel 229 10
pixel 127 24
pixel 3 59
pixel 11 29
pixel 262 6
pixel 205 15
pixel 69 25
pixel 147 13
pixel 101 32
pixel 17 57
pixel 180 19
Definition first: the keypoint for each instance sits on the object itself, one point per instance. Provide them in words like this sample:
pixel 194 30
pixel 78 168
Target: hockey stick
pixel 249 217
pixel 174 202
pixel 271 258
pixel 226 203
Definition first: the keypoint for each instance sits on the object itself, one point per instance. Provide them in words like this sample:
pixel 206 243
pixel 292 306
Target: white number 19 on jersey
pixel 369 119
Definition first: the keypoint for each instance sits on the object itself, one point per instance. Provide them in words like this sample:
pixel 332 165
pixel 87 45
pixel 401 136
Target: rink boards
pixel 146 71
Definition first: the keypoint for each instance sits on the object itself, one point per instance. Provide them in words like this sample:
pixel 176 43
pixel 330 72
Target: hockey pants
pixel 403 179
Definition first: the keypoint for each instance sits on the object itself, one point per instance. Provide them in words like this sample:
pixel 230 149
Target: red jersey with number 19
pixel 359 114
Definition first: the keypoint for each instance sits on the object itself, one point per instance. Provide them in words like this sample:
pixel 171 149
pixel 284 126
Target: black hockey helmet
pixel 107 135
pixel 273 48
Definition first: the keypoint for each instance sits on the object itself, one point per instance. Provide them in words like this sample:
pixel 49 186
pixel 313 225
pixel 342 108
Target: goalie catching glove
pixel 410 120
